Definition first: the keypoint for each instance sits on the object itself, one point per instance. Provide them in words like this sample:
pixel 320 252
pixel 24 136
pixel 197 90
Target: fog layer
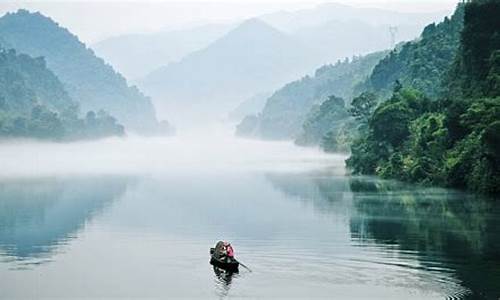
pixel 193 152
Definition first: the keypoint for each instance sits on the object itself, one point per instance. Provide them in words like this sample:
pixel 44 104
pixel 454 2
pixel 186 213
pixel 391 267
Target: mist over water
pixel 135 217
pixel 213 149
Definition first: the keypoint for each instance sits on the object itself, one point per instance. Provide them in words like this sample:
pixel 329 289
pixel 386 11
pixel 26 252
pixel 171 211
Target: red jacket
pixel 230 251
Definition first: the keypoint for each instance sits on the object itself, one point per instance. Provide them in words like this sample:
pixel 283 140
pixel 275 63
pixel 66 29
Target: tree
pixel 330 116
pixel 493 78
pixel 390 123
pixel 362 107
pixel 454 140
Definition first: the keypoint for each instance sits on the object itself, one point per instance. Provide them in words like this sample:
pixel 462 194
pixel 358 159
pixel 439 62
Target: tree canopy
pixel 34 103
pixel 453 140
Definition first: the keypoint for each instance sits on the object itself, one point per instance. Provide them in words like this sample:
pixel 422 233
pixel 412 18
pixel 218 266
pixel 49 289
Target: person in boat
pixel 224 251
pixel 220 251
pixel 229 250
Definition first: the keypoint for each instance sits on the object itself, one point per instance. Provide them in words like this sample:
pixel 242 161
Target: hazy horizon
pixel 94 21
pixel 150 60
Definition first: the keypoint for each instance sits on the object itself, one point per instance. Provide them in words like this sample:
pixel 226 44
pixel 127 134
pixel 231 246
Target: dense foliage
pixel 287 109
pixel 25 80
pixel 420 64
pixel 328 118
pixel 33 103
pixel 453 141
pixel 344 131
pixel 88 79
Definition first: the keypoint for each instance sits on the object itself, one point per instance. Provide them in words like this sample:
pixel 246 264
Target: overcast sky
pixel 96 20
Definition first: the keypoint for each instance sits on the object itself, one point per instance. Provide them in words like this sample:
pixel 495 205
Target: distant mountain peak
pixel 254 22
pixel 254 25
pixel 29 21
pixel 252 31
pixel 24 13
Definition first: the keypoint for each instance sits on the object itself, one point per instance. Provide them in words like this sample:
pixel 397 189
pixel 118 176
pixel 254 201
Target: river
pixel 135 218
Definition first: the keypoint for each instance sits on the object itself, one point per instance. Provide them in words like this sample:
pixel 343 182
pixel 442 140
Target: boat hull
pixel 231 266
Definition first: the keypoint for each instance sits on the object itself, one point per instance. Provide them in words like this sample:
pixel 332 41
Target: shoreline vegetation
pixel 452 140
pixel 428 112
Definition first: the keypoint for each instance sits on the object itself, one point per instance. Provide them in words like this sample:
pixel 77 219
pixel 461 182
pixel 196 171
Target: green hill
pixel 328 118
pixel 288 108
pixel 88 79
pixel 26 81
pixel 420 64
pixel 34 103
pixel 451 141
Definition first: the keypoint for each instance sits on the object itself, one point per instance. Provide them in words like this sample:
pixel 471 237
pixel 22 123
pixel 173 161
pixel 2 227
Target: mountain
pixel 423 62
pixel 475 71
pixel 339 31
pixel 256 57
pixel 335 33
pixel 419 64
pixel 323 13
pixel 252 57
pixel 87 79
pixel 146 52
pixel 453 139
pixel 34 104
pixel 331 117
pixel 336 39
pixel 287 109
pixel 250 106
pixel 26 82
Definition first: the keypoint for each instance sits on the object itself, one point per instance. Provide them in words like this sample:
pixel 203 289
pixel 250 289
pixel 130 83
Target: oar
pixel 244 266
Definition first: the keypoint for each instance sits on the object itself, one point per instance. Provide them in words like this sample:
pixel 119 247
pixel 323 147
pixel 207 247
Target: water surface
pixel 135 219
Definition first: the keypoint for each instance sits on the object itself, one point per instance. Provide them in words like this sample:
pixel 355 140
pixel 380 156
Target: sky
pixel 96 20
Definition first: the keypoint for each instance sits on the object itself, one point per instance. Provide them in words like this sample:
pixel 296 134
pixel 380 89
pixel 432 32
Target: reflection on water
pixel 223 280
pixel 453 236
pixel 305 234
pixel 39 215
pixel 328 190
pixel 448 232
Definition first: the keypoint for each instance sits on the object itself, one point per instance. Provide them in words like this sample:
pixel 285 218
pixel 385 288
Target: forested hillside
pixel 421 63
pixel 287 109
pixel 87 79
pixel 454 140
pixel 331 117
pixel 26 80
pixel 295 111
pixel 33 103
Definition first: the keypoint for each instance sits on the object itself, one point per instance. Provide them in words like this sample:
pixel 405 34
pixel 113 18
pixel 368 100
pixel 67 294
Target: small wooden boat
pixel 227 264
